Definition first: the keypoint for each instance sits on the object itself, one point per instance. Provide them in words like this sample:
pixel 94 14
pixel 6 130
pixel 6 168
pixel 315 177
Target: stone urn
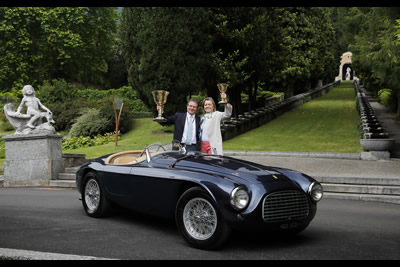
pixel 377 144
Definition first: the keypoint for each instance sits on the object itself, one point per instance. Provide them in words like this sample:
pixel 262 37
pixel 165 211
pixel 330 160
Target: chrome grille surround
pixel 285 206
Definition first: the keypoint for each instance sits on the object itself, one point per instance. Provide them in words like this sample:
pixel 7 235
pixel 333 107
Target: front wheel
pixel 199 221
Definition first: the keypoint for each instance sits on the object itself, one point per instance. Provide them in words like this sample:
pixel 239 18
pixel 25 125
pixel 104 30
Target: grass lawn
pixel 325 124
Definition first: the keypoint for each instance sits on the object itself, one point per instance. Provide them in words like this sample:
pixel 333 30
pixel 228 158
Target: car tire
pixel 199 220
pixel 94 200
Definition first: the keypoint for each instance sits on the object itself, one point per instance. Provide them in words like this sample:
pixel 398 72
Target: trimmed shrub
pixel 90 123
pixel 387 98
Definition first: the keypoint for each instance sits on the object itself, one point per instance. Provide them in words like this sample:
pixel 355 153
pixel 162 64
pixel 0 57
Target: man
pixel 186 126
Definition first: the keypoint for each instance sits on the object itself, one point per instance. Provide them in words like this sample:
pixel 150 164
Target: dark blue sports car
pixel 207 195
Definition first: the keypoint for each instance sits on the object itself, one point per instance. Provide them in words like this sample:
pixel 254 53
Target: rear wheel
pixel 199 221
pixel 94 200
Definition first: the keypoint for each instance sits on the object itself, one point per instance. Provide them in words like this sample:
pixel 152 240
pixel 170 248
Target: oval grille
pixel 284 206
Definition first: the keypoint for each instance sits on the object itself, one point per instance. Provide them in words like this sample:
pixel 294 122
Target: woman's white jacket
pixel 213 128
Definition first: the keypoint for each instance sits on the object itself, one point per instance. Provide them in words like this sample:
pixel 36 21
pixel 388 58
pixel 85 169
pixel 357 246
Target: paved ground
pixel 39 223
pixel 320 166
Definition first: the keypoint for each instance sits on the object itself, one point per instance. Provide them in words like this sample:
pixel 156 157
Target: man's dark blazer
pixel 179 120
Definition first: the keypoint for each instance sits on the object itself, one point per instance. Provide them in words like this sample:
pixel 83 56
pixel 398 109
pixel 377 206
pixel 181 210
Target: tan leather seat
pixel 124 160
pixel 124 157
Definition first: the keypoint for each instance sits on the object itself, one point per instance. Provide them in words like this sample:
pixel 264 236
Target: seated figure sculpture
pixel 31 122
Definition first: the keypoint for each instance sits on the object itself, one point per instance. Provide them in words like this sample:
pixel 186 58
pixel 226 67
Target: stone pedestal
pixel 32 160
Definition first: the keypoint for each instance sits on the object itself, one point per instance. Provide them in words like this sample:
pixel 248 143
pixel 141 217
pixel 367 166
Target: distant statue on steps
pixel 348 75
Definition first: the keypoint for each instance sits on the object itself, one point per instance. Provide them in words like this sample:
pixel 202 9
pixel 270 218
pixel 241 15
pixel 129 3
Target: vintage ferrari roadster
pixel 207 195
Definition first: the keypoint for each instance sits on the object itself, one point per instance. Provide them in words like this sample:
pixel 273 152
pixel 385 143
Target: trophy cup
pixel 223 87
pixel 160 98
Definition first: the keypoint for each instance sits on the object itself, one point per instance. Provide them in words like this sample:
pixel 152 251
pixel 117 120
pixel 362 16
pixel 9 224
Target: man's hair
pixel 194 100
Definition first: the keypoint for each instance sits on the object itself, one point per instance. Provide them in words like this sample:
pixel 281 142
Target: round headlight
pixel 239 198
pixel 316 191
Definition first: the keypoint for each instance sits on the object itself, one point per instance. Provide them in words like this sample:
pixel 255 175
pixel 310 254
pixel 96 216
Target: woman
pixel 210 126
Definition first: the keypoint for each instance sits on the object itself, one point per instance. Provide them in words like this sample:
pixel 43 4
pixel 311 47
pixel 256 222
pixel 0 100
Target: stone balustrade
pixel 373 136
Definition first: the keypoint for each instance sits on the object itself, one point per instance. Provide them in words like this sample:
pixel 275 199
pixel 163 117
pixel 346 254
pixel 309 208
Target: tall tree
pixel 308 38
pixel 375 51
pixel 166 49
pixel 43 43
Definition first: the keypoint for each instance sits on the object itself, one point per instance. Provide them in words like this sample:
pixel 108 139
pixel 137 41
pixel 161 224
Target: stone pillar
pixel 32 160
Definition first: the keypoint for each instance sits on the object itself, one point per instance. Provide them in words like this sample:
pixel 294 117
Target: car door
pixel 117 179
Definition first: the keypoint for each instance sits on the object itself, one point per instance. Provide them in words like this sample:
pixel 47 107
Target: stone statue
pixel 31 122
pixel 348 75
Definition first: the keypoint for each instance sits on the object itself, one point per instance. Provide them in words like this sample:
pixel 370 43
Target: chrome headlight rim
pixel 316 191
pixel 239 198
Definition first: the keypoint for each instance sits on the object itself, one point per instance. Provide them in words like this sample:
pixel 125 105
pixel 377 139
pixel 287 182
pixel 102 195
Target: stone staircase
pixel 358 188
pixel 66 179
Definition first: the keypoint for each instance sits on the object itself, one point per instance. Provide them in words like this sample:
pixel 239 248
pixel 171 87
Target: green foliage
pixel 398 31
pixel 57 90
pixel 77 142
pixel 90 123
pixel 375 49
pixel 127 93
pixel 387 98
pixel 99 118
pixel 308 39
pixel 66 112
pixel 106 109
pixel 166 49
pixel 5 98
pixel 5 124
pixel 43 43
pixel 2 149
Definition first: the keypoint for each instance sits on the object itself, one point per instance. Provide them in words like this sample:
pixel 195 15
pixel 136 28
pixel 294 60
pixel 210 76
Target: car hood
pixel 237 169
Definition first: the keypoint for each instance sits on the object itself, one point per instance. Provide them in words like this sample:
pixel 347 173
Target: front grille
pixel 284 206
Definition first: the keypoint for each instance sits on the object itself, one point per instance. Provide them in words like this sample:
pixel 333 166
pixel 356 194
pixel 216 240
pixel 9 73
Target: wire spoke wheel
pixel 92 195
pixel 200 218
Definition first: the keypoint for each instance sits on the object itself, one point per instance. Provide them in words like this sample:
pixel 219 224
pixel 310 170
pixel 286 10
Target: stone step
pixel 71 170
pixel 68 173
pixel 65 179
pixel 62 184
pixel 66 176
pixel 365 197
pixel 362 189
pixel 359 180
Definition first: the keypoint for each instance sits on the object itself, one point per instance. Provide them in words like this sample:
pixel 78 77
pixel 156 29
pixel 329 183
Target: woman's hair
pixel 212 102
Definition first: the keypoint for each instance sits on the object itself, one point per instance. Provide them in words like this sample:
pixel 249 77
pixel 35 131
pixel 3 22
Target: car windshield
pixel 155 149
